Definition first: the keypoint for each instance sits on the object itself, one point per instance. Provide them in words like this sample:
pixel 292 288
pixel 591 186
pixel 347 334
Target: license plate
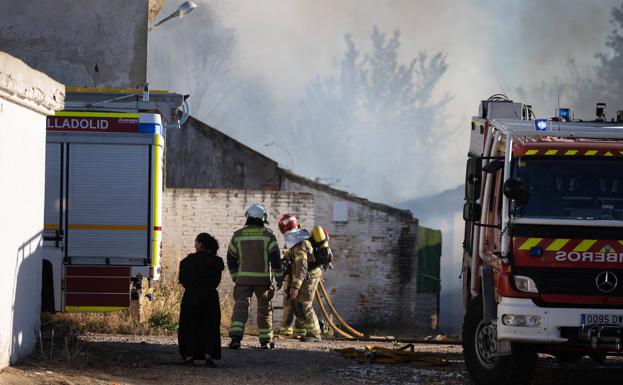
pixel 601 319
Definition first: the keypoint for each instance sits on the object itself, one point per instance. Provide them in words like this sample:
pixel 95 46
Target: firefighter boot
pixel 310 339
pixel 267 345
pixel 235 342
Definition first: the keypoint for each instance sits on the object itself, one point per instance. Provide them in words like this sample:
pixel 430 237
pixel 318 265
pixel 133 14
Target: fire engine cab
pixel 103 197
pixel 543 246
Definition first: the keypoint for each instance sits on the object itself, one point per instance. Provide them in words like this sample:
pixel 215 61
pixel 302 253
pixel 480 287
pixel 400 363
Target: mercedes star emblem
pixel 606 281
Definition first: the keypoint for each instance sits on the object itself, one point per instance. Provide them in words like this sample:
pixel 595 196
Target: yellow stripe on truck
pixel 157 183
pixel 557 244
pixel 97 114
pixel 585 245
pixel 51 226
pixel 106 227
pixel 530 243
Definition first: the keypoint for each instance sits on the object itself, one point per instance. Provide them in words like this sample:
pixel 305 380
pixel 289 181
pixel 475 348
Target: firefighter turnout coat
pixel 253 257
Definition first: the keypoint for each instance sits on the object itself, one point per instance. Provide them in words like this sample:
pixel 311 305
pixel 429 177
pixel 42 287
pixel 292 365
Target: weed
pixel 163 321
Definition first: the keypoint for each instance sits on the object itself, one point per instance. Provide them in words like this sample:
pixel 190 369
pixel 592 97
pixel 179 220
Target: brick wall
pixel 188 212
pixel 374 278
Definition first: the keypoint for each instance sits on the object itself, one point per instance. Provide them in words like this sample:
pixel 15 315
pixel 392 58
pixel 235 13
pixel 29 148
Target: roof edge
pixel 29 87
pixel 407 214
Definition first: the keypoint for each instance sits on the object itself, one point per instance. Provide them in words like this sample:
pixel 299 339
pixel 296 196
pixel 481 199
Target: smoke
pixel 247 65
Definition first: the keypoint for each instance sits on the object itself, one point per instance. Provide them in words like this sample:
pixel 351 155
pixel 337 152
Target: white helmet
pixel 258 211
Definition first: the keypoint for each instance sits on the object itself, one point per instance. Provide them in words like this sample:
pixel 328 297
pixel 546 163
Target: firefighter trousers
pixel 304 306
pixel 242 298
pixel 289 323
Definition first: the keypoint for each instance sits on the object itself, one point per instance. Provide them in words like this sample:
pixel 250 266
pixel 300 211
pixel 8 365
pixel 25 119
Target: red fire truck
pixel 543 246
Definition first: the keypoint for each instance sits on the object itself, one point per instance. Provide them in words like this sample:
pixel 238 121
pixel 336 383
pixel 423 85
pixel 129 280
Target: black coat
pixel 200 313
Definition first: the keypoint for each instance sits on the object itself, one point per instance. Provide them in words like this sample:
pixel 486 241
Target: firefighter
pixel 304 276
pixel 254 259
pixel 290 324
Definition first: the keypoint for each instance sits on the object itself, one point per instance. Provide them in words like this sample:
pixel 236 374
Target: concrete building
pixel 211 178
pixel 26 97
pixel 81 44
pixel 199 156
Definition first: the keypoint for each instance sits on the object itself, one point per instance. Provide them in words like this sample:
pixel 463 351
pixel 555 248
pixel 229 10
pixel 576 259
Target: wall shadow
pixel 26 298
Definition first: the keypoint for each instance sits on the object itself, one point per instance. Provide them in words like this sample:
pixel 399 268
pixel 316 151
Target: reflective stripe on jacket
pixel 302 255
pixel 253 257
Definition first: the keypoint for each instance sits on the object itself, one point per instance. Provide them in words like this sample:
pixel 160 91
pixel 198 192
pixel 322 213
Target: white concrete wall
pixel 25 97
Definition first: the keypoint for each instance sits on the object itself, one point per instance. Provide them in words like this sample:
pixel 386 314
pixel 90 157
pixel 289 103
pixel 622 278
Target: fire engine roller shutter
pixel 108 203
pixel 52 216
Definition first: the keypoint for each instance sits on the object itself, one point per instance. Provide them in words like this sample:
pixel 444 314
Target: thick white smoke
pixel 491 46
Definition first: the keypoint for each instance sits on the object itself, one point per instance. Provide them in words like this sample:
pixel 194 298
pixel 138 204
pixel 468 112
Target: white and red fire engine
pixel 543 248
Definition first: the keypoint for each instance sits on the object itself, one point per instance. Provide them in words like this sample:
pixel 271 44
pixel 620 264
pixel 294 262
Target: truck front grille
pixel 571 281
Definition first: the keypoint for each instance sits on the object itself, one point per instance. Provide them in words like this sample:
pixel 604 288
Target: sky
pixel 491 46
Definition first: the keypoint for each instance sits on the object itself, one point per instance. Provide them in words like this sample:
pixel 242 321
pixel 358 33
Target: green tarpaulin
pixel 428 260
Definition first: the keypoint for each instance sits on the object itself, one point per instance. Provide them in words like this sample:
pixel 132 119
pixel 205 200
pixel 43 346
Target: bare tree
pixel 373 123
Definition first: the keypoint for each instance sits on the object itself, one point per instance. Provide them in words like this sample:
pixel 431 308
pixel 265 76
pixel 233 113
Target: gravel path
pixel 114 359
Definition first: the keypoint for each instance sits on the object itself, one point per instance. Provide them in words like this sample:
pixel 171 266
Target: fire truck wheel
pixel 484 367
pixel 568 357
pixel 599 358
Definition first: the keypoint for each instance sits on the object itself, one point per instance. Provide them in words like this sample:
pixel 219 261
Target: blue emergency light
pixel 541 124
pixel 564 113
pixel 536 251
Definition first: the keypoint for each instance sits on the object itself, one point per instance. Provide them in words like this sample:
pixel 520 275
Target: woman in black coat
pixel 199 334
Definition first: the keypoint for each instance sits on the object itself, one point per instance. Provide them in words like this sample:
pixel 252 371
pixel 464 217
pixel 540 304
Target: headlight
pixel 520 320
pixel 525 284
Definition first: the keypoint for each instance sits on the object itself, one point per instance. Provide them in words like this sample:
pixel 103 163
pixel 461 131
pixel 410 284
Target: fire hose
pixel 374 354
pixel 329 321
pixel 353 334
pixel 350 329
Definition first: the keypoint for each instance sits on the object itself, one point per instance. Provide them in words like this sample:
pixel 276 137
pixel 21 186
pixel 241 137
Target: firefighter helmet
pixel 258 211
pixel 287 222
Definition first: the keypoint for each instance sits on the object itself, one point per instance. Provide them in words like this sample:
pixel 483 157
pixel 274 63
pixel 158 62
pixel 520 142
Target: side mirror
pixel 493 166
pixel 471 212
pixel 515 189
pixel 473 179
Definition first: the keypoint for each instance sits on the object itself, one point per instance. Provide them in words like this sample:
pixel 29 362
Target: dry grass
pixel 120 322
pixel 159 316
pixel 162 313
pixel 58 339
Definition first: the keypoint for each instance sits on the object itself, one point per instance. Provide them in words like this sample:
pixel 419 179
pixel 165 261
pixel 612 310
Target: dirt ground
pixel 116 359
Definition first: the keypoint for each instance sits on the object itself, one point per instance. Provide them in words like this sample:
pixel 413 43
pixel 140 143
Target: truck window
pixel 573 188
